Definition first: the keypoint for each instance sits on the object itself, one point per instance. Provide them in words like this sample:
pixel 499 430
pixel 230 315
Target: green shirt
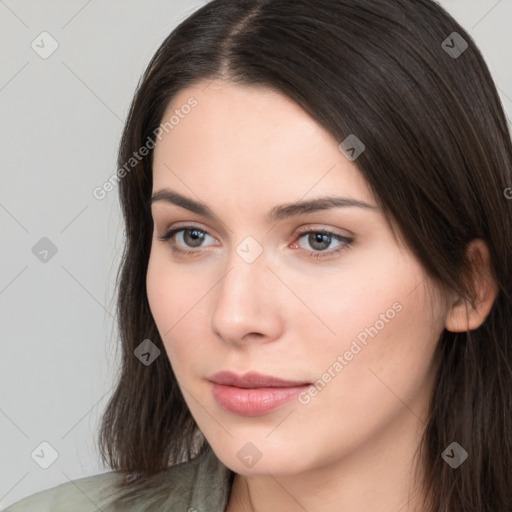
pixel 201 485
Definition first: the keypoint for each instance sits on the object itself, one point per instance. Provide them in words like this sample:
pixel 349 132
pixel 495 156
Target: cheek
pixel 384 327
pixel 175 301
pixel 356 304
pixel 159 296
pixel 165 302
pixel 386 340
pixel 171 292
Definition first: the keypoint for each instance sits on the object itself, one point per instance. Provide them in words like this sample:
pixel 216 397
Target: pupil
pixel 195 236
pixel 319 238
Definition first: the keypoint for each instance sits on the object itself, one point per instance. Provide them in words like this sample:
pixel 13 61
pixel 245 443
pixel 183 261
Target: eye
pixel 320 240
pixel 189 236
pixel 184 237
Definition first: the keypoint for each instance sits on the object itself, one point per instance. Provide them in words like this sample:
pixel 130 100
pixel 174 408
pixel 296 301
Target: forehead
pixel 249 139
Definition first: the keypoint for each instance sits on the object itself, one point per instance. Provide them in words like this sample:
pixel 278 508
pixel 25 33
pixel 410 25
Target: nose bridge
pixel 241 286
pixel 243 304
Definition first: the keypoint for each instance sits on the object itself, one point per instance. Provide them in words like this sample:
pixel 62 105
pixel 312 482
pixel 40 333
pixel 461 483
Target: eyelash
pixel 169 235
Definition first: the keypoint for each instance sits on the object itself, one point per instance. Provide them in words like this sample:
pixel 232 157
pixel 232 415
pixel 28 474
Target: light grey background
pixel 61 120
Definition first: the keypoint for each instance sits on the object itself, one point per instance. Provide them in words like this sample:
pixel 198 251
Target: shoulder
pixel 77 495
pixel 202 484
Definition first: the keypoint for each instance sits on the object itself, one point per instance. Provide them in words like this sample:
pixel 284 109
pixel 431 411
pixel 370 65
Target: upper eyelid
pixel 345 241
pixel 303 230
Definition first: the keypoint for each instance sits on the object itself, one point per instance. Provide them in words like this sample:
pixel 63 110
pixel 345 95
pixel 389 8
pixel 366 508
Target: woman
pixel 315 295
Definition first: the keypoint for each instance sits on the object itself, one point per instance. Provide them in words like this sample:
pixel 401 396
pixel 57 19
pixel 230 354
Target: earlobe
pixel 462 316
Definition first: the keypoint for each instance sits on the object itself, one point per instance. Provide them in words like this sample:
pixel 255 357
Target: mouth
pixel 253 394
pixel 253 380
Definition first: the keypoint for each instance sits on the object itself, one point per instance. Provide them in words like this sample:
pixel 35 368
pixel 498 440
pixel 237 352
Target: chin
pixel 261 457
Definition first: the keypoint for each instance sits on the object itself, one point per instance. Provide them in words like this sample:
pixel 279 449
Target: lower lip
pixel 253 401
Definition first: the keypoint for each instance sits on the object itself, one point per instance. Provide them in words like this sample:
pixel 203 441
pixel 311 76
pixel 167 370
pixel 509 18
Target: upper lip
pixel 252 380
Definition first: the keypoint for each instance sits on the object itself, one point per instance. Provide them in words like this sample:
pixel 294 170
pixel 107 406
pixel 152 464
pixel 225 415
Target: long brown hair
pixel 438 157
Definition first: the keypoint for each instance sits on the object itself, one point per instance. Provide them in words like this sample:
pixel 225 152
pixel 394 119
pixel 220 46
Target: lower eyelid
pixel 185 248
pixel 330 234
pixel 170 236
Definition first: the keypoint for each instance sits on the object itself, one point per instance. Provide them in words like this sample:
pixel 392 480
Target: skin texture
pixel 241 151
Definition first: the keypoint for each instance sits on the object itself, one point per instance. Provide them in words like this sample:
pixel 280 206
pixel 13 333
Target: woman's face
pixel 356 316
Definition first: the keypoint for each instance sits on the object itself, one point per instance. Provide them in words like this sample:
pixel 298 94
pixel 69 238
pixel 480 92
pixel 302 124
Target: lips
pixel 253 394
pixel 252 380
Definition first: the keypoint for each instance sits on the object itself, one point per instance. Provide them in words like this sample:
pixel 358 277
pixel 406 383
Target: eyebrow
pixel 277 213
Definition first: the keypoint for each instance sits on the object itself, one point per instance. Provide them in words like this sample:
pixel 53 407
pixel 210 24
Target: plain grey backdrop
pixel 68 73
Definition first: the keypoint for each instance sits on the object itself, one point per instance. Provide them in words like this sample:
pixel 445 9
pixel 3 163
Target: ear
pixel 461 316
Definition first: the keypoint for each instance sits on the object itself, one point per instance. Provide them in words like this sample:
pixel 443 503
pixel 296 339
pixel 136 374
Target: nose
pixel 246 304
